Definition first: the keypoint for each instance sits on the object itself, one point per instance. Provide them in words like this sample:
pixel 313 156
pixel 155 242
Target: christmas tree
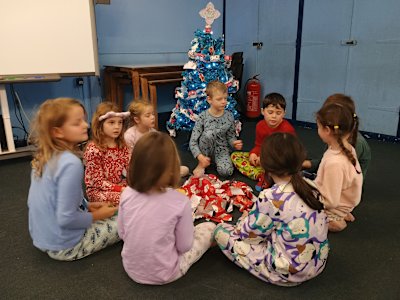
pixel 207 62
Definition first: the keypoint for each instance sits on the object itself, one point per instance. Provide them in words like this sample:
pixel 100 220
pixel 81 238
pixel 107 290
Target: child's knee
pixel 225 172
pixel 206 140
pixel 207 226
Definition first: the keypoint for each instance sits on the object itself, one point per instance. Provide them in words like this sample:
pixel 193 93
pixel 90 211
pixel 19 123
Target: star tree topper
pixel 209 13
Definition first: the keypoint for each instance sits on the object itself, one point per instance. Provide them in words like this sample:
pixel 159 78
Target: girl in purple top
pixel 283 239
pixel 154 220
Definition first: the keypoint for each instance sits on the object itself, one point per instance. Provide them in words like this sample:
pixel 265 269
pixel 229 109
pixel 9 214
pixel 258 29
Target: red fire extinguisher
pixel 253 90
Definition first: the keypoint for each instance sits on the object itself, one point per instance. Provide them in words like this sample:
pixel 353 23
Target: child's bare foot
pixel 184 171
pixel 336 226
pixel 198 171
pixel 349 217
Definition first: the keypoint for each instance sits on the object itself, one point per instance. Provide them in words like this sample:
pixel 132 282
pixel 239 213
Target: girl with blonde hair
pixel 61 223
pixel 143 121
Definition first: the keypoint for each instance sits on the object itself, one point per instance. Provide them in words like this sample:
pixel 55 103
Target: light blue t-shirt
pixel 55 220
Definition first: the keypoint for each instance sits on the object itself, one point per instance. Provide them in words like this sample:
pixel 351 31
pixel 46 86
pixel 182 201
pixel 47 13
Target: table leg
pixel 135 84
pixel 120 95
pixel 153 100
pixel 6 119
pixel 107 84
pixel 145 88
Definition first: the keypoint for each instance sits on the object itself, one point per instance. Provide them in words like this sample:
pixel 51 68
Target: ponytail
pixel 282 154
pixel 342 122
pixel 348 153
pixel 308 193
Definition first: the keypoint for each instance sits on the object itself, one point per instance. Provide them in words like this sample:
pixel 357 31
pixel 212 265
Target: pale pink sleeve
pixel 130 138
pixel 330 184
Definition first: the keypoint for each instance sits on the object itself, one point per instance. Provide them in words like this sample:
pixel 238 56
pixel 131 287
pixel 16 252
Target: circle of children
pixel 132 182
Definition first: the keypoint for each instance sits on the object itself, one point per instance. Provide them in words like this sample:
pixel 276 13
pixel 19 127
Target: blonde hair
pixel 154 165
pixel 52 113
pixel 137 108
pixel 98 135
pixel 214 86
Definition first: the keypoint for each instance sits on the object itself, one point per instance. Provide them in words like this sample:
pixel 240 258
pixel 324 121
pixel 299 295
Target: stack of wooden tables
pixel 143 78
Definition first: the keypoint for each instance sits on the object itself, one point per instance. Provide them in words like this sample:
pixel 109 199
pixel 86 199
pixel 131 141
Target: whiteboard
pixel 48 37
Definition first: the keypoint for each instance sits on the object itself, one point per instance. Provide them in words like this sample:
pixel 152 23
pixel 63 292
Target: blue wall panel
pixel 158 31
pixel 323 61
pixel 278 32
pixel 374 64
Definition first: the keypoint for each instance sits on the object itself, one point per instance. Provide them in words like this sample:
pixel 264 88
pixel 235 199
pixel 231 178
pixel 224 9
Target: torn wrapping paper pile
pixel 214 199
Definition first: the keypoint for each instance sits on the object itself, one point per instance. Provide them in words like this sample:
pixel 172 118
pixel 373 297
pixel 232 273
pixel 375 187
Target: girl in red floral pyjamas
pixel 106 156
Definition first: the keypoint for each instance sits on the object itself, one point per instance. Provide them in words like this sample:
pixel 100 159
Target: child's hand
pixel 254 159
pixel 306 164
pixel 93 206
pixel 104 211
pixel 349 217
pixel 204 161
pixel 238 144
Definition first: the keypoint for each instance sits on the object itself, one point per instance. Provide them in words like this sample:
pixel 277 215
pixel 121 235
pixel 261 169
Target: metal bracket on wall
pixel 258 45
pixel 348 42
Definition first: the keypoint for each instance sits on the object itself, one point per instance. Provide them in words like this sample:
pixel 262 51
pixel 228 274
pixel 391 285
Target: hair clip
pixel 336 126
pixel 112 114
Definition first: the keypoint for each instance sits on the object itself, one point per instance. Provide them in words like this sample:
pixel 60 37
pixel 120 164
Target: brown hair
pixel 274 99
pixel 52 113
pixel 97 135
pixel 137 108
pixel 154 163
pixel 341 121
pixel 282 154
pixel 347 102
pixel 214 86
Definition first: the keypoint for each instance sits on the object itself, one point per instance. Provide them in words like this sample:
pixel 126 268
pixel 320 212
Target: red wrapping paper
pixel 213 199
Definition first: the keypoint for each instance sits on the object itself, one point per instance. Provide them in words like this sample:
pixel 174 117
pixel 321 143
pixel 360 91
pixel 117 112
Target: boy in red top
pixel 273 110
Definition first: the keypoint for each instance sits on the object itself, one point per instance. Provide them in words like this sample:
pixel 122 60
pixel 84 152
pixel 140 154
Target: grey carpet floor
pixel 363 263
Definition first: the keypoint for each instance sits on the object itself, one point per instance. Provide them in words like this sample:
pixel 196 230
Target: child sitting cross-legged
pixel 213 135
pixel 59 222
pixel 155 220
pixel 106 156
pixel 339 177
pixel 248 163
pixel 283 239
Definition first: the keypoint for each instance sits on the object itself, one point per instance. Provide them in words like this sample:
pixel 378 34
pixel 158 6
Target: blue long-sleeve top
pixel 56 221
